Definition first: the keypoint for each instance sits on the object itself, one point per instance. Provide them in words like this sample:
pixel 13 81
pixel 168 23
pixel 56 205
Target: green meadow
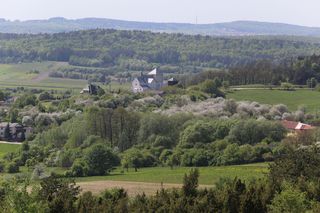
pixel 208 175
pixel 36 75
pixel 7 148
pixel 293 99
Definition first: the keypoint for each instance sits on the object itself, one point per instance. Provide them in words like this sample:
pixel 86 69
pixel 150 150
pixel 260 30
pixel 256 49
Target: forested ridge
pixel 139 50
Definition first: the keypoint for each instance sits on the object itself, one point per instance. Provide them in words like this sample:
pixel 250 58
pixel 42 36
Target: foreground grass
pixel 7 148
pixel 208 175
pixel 293 99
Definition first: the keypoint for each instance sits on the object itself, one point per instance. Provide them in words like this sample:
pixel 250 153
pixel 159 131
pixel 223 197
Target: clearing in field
pixel 36 75
pixel 293 99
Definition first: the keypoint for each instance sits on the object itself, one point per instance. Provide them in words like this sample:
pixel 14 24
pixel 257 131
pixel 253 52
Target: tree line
pixel 292 185
pixel 300 70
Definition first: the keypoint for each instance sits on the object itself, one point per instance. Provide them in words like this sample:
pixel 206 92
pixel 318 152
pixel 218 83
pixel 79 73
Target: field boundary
pixel 13 143
pixel 132 188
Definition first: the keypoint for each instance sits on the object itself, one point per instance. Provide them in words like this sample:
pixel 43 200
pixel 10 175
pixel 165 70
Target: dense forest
pixel 300 71
pixel 137 50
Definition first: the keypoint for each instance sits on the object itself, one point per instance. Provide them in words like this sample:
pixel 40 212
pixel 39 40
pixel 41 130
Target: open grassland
pixel 208 175
pixel 115 86
pixel 36 75
pixel 293 99
pixel 7 148
pixel 150 180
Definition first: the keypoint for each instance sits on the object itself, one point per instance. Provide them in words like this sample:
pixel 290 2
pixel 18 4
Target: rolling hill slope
pixel 237 28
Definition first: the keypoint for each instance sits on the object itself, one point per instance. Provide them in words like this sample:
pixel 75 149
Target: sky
pixel 183 11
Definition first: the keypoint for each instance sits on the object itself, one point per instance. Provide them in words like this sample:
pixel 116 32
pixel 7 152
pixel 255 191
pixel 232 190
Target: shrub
pixel 79 169
pixel 12 168
pixel 100 159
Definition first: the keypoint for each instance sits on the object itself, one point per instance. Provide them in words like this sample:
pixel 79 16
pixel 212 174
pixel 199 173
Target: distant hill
pixel 237 28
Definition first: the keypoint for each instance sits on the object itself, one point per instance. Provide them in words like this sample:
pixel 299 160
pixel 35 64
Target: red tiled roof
pixel 292 125
pixel 289 124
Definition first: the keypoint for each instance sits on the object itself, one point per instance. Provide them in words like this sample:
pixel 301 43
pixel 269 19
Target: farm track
pixel 132 188
pixel 14 143
pixel 42 76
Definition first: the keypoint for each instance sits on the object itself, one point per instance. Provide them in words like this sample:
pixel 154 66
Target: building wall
pixel 136 87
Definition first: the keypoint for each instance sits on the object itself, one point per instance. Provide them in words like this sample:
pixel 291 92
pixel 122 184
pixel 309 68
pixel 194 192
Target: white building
pixel 152 81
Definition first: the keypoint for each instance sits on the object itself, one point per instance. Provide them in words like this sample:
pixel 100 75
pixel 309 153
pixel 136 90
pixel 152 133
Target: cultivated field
pixel 36 75
pixel 293 99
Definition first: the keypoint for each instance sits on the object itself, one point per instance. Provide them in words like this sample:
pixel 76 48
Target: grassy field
pixel 6 148
pixel 150 180
pixel 23 75
pixel 293 99
pixel 208 175
pixel 114 86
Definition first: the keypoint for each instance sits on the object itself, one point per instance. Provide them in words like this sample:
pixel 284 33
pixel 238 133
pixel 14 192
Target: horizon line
pixel 156 22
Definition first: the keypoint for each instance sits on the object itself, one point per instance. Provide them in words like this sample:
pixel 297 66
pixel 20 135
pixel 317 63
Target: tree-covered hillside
pixel 137 50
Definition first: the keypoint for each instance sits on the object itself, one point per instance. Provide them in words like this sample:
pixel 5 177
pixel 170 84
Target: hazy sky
pixel 208 11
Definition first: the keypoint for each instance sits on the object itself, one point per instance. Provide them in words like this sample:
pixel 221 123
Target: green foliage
pixel 287 86
pixel 16 197
pixel 79 169
pixel 45 96
pixel 106 48
pixel 312 83
pixel 2 96
pixel 212 87
pixel 12 167
pixel 26 100
pixel 253 132
pixel 284 191
pixel 295 164
pixel 290 200
pixel 100 159
pixel 204 132
pixel 58 194
pixel 190 183
pixel 136 159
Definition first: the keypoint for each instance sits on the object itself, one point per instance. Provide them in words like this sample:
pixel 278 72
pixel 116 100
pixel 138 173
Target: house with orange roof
pixel 296 126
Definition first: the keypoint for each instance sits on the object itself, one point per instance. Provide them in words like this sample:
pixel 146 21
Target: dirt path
pixel 40 77
pixel 14 143
pixel 133 188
